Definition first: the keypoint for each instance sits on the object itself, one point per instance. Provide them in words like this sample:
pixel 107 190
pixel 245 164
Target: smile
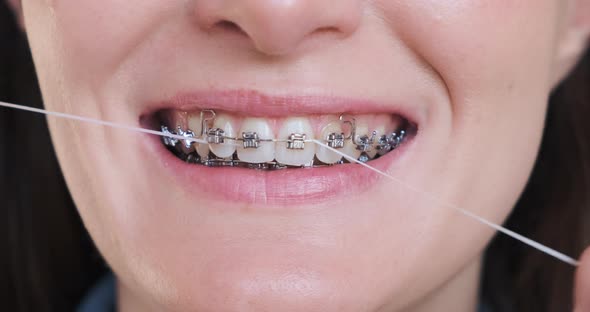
pixel 251 148
pixel 255 145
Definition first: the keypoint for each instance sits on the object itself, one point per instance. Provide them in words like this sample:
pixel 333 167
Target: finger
pixel 582 284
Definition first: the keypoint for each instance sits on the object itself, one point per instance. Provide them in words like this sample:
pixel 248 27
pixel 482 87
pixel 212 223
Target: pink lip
pixel 286 187
pixel 256 104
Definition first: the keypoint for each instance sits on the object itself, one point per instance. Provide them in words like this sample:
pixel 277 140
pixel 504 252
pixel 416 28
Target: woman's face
pixel 471 78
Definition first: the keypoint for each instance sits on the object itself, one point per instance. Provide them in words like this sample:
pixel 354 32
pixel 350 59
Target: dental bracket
pixel 396 140
pixel 296 141
pixel 168 140
pixel 385 143
pixel 189 135
pixel 219 163
pixel 215 136
pixel 365 142
pixel 250 140
pixel 335 140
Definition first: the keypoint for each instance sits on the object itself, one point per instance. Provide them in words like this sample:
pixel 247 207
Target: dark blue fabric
pixel 102 297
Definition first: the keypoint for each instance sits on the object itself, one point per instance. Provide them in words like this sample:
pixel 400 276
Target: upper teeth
pixel 294 151
pixel 255 142
pixel 253 150
pixel 334 138
pixel 222 127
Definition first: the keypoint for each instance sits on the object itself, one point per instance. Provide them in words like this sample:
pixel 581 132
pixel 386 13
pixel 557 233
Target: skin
pixel 481 71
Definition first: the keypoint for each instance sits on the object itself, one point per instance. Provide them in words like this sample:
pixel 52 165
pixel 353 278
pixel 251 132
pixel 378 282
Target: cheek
pixel 475 45
pixel 91 38
pixel 495 60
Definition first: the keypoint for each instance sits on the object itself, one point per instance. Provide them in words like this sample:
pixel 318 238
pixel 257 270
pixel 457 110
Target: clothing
pixel 102 297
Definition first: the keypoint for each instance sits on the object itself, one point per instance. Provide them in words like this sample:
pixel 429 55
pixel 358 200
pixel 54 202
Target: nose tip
pixel 278 27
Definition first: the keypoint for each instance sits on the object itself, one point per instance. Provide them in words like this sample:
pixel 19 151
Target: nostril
pixel 229 26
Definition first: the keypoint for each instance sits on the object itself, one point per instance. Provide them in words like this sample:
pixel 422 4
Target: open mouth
pixel 231 140
pixel 250 148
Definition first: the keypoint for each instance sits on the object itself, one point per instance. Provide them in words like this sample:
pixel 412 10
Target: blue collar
pixel 101 297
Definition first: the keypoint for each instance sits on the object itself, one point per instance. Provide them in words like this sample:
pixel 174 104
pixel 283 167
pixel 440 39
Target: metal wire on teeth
pixel 296 141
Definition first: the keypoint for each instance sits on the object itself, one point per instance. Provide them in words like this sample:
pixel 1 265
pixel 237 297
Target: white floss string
pixel 98 122
pixel 550 251
pixel 547 250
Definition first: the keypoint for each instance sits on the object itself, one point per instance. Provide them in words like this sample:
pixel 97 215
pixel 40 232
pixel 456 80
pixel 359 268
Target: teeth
pixel 350 148
pixel 296 152
pixel 195 122
pixel 266 150
pixel 224 123
pixel 365 141
pixel 256 145
pixel 186 146
pixel 379 130
pixel 363 135
pixel 323 154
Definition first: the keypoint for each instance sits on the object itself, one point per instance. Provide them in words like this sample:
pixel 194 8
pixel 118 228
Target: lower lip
pixel 287 187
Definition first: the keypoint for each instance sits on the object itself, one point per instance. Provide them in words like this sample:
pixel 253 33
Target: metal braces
pixel 365 142
pixel 295 141
pixel 168 140
pixel 335 140
pixel 188 134
pixel 250 139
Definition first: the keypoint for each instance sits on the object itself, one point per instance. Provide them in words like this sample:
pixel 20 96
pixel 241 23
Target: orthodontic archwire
pixel 295 141
pixel 186 138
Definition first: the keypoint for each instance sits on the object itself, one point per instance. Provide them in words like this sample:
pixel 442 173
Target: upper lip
pixel 257 104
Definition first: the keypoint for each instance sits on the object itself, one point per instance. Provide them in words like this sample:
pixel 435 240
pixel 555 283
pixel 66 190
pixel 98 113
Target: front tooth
pixel 323 154
pixel 295 157
pixel 195 123
pixel 224 123
pixel 266 150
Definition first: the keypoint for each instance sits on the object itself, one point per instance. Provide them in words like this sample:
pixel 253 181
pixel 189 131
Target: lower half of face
pixel 448 97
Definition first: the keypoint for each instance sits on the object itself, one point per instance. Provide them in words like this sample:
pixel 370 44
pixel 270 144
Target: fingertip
pixel 582 283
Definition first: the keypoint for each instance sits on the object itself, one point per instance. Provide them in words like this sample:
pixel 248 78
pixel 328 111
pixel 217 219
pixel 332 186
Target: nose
pixel 278 27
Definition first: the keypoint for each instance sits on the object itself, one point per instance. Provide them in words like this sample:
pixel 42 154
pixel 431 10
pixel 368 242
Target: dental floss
pixel 545 249
pixel 98 122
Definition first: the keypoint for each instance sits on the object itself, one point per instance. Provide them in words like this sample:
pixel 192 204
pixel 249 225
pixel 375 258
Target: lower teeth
pixel 213 161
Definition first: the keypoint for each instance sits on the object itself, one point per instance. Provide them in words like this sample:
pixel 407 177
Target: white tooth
pixel 266 150
pixel 323 154
pixel 380 131
pixel 362 130
pixel 295 157
pixel 195 124
pixel 350 148
pixel 203 149
pixel 224 123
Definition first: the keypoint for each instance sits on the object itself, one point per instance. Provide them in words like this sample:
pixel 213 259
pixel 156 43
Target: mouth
pixel 267 146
